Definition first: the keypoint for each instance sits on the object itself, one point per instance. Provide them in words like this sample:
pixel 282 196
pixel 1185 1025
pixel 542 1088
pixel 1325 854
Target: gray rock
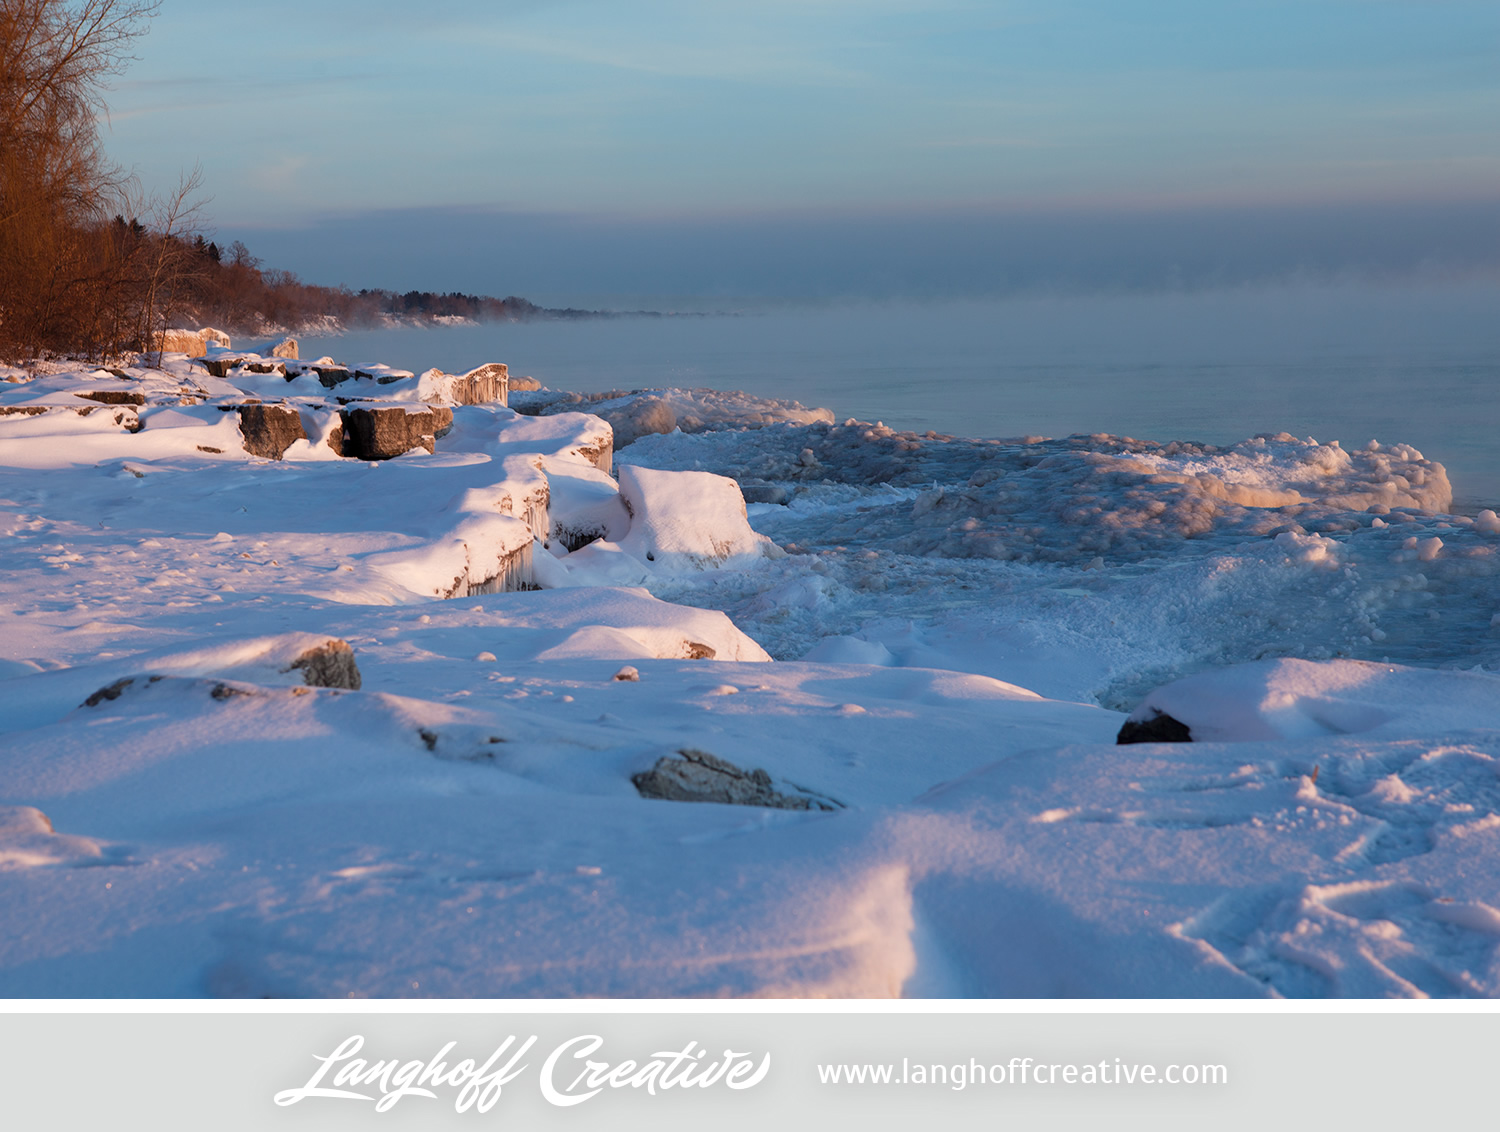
pixel 329 665
pixel 114 396
pixel 697 776
pixel 383 433
pixel 331 375
pixel 110 692
pixel 269 430
pixel 220 367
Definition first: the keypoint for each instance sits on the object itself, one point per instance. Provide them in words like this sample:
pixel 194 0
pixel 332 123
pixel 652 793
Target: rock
pixel 269 430
pixel 331 375
pixel 485 385
pixel 1160 728
pixel 601 453
pixel 522 384
pixel 110 692
pixel 335 439
pixel 193 343
pixel 286 348
pixel 329 665
pixel 188 342
pixel 698 776
pixel 383 433
pixel 629 673
pixel 114 396
pixel 220 367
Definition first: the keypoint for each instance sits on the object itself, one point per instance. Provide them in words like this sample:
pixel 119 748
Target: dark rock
pixel 1160 728
pixel 22 410
pixel 329 665
pixel 382 433
pixel 698 776
pixel 112 692
pixel 220 367
pixel 269 430
pixel 331 375
pixel 114 396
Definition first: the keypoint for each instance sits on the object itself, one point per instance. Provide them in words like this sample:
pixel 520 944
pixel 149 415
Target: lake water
pixel 1418 364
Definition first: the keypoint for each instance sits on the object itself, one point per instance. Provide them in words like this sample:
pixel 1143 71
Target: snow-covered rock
pixel 1302 699
pixel 688 521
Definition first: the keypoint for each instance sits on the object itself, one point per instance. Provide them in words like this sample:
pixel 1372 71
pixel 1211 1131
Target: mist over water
pixel 1411 363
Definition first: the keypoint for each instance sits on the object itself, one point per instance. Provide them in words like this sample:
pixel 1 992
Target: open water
pixel 1411 363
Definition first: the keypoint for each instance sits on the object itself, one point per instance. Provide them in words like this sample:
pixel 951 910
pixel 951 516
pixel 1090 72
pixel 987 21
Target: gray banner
pixel 743 1070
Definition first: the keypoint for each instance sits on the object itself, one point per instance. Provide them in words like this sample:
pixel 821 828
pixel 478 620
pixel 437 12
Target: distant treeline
pixel 229 288
pixel 89 265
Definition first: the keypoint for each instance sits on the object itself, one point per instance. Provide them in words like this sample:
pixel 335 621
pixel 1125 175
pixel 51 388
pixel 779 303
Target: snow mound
pixel 688 521
pixel 28 841
pixel 1302 699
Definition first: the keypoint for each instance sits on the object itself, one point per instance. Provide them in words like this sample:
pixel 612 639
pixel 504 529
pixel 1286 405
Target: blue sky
pixel 319 125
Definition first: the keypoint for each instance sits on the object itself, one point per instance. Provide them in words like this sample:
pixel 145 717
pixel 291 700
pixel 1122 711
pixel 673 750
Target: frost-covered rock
pixel 285 348
pixel 697 776
pixel 484 385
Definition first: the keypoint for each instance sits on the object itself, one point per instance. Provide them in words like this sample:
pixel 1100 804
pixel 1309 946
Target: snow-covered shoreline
pixel 959 628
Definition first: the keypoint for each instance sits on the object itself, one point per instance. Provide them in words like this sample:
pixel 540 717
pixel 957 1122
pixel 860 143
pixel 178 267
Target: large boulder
pixel 380 433
pixel 269 430
pixel 193 343
pixel 286 348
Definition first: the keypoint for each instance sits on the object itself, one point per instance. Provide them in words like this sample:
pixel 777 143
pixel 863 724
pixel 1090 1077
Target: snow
pixel 959 629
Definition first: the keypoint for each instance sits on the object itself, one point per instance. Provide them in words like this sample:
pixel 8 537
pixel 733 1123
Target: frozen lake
pixel 1410 364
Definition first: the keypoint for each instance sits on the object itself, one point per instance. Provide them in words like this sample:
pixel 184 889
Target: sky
pixel 824 147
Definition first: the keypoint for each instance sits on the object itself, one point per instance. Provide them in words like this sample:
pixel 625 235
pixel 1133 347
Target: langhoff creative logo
pixel 568 1076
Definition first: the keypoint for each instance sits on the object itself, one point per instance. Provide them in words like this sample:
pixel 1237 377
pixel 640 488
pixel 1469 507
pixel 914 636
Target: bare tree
pixel 56 187
pixel 172 265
